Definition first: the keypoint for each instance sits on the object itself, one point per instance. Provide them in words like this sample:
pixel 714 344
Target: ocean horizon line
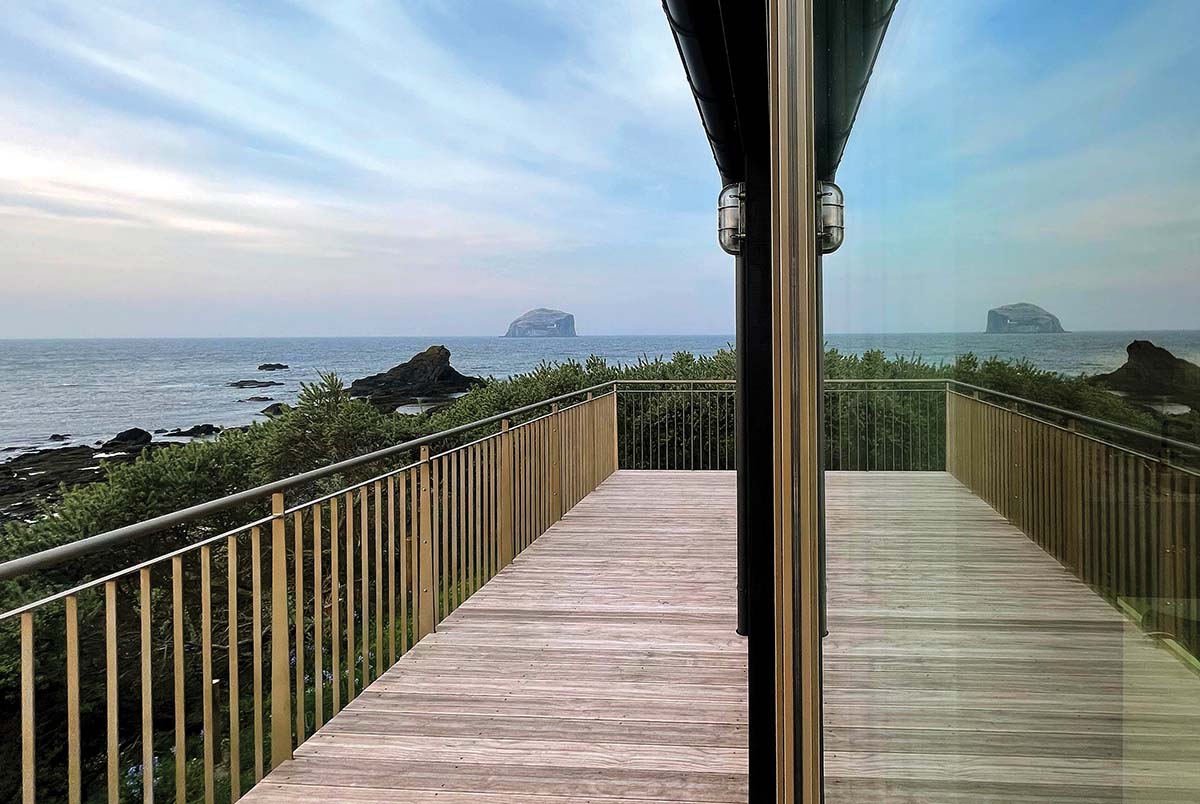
pixel 583 336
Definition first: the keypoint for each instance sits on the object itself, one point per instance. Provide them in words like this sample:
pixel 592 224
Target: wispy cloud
pixel 1013 151
pixel 307 149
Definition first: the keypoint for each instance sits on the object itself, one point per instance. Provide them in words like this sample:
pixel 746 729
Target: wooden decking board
pixel 601 666
pixel 963 665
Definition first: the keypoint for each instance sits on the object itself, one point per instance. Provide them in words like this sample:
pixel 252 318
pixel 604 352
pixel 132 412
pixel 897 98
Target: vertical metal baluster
pixel 379 583
pixel 298 625
pixel 391 562
pixel 351 653
pixel 401 555
pixel 28 727
pixel 256 636
pixel 413 545
pixel 281 682
pixel 318 621
pixel 206 670
pixel 435 521
pixel 147 690
pixel 112 705
pixel 335 605
pixel 177 664
pixel 235 749
pixel 476 546
pixel 74 765
pixel 364 542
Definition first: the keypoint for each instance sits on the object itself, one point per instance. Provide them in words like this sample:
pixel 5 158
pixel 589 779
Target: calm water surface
pixel 95 388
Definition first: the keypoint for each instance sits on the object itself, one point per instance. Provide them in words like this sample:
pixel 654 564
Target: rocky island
pixel 1153 374
pixel 1021 318
pixel 542 323
pixel 427 377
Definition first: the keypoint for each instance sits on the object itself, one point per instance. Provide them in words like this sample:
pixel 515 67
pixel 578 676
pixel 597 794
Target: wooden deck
pixel 600 666
pixel 963 665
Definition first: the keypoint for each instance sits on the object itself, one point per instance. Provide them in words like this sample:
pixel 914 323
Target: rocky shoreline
pixel 31 477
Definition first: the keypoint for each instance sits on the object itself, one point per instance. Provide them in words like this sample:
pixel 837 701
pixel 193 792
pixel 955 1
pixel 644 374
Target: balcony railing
pixel 1116 506
pixel 232 634
pixel 192 673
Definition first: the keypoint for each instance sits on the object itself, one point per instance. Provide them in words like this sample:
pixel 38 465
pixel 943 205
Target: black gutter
pixel 696 27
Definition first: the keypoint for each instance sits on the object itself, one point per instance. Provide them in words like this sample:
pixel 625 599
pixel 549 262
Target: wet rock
pixel 253 384
pixel 198 431
pixel 258 399
pixel 59 436
pixel 427 377
pixel 1151 373
pixel 278 409
pixel 126 439
pixel 273 367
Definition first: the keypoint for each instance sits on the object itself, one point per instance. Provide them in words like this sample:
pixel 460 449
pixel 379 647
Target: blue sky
pixel 1018 150
pixel 428 167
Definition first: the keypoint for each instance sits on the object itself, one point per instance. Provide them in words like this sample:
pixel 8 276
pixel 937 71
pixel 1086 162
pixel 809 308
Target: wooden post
pixel 616 441
pixel 281 660
pixel 950 467
pixel 1074 501
pixel 589 461
pixel 425 622
pixel 507 547
pixel 556 504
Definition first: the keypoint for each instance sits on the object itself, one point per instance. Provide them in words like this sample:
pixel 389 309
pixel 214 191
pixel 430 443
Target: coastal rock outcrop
pixel 129 439
pixel 427 377
pixel 277 409
pixel 253 384
pixel 1022 318
pixel 273 367
pixel 196 431
pixel 1153 373
pixel 542 323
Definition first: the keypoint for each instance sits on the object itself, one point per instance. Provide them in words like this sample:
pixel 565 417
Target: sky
pixel 1019 150
pixel 426 167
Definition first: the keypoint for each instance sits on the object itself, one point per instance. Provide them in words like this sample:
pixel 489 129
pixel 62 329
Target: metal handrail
pixel 1120 428
pixel 1057 411
pixel 77 549
pixel 56 555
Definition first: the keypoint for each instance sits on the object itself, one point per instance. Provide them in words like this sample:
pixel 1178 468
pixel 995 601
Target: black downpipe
pixel 739 417
pixel 756 478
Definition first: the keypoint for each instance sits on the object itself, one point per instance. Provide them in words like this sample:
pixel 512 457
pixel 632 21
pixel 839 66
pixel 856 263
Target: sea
pixel 91 389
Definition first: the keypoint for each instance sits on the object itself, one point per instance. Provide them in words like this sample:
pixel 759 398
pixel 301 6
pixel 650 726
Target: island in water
pixel 542 323
pixel 1022 318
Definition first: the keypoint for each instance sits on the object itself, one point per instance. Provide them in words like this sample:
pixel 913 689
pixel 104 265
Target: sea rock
pixel 59 436
pixel 278 409
pixel 33 479
pixel 258 399
pixel 1153 373
pixel 273 367
pixel 1022 318
pixel 127 439
pixel 253 384
pixel 197 431
pixel 427 377
pixel 542 323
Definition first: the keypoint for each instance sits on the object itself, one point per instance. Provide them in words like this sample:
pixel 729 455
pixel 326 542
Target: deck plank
pixel 601 666
pixel 963 664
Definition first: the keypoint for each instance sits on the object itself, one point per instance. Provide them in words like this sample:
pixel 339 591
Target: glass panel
pixel 1011 419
